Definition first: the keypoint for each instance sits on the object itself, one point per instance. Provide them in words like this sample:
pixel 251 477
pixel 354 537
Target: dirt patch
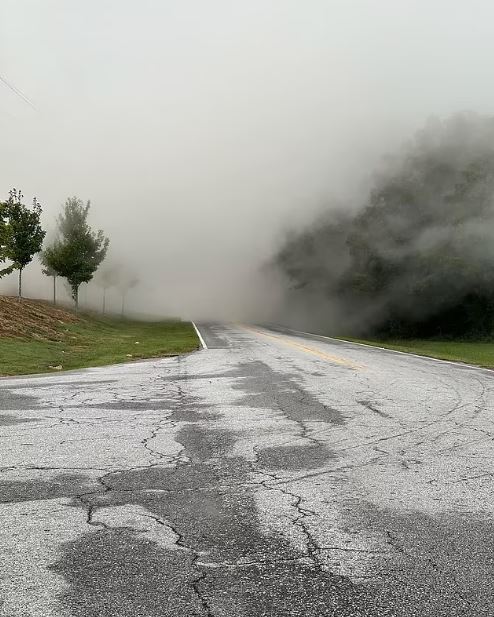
pixel 33 319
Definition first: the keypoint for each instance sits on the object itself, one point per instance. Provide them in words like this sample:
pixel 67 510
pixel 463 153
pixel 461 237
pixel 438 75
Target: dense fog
pixel 202 132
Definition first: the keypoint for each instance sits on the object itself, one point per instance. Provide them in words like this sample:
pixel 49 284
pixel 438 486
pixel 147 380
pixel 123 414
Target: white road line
pixel 199 335
pixel 403 353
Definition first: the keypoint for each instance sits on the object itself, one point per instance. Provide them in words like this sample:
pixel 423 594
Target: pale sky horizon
pixel 201 131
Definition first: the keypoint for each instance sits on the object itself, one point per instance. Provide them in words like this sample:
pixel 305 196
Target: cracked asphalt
pixel 270 474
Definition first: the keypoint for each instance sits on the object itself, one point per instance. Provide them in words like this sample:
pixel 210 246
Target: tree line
pixel 75 254
pixel 417 258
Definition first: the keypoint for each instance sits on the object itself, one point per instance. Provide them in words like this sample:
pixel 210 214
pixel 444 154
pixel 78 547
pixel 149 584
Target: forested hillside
pixel 418 258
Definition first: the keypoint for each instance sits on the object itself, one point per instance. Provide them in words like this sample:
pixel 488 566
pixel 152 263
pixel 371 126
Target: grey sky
pixel 202 129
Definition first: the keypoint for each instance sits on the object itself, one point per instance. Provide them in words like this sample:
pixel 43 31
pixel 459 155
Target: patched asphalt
pixel 268 475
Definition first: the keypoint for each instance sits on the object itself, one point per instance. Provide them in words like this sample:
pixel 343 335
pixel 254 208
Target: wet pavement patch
pixel 188 411
pixel 225 560
pixel 10 399
pixel 285 589
pixel 294 457
pixel 6 420
pixel 119 573
pixel 113 572
pixel 211 509
pixel 134 405
pixel 265 388
pixel 63 485
pixel 440 565
pixel 187 378
pixel 201 444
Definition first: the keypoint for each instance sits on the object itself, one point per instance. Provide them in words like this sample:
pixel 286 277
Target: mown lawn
pixel 479 353
pixel 96 342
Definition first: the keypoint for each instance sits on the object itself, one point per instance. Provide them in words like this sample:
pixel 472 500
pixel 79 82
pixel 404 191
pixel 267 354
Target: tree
pixel 417 258
pixel 78 250
pixel 22 233
pixel 125 285
pixel 118 275
pixel 106 278
pixel 3 239
pixel 51 266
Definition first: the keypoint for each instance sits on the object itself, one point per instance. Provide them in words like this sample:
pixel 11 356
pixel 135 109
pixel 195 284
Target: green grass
pixel 470 352
pixel 96 342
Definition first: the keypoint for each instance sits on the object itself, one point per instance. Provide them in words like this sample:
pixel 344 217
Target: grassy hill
pixel 37 337
pixel 32 319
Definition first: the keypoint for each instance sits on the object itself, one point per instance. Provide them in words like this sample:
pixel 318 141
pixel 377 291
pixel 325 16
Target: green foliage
pixel 3 239
pixel 21 233
pixel 418 258
pixel 78 250
pixel 45 259
pixel 51 259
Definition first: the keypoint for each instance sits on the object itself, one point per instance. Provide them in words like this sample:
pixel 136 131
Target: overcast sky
pixel 202 129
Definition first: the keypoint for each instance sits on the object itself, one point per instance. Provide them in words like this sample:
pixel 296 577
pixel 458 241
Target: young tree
pixel 50 261
pixel 23 234
pixel 125 285
pixel 3 239
pixel 78 251
pixel 106 278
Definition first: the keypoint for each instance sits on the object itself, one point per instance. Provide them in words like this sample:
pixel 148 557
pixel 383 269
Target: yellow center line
pixel 311 350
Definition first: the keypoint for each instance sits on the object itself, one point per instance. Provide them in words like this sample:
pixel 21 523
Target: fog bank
pixel 202 131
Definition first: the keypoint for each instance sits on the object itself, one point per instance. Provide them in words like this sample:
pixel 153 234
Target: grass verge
pixel 95 342
pixel 470 352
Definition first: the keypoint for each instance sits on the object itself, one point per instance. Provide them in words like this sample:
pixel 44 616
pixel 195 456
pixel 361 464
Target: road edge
pixel 199 336
pixel 395 351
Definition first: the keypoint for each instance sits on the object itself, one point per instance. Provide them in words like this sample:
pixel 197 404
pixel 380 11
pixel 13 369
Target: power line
pixel 17 92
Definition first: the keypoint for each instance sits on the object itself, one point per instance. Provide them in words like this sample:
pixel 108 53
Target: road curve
pixel 269 474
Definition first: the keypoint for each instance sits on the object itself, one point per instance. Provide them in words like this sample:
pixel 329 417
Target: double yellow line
pixel 312 350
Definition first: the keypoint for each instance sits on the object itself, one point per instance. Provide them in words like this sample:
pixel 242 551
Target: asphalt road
pixel 270 474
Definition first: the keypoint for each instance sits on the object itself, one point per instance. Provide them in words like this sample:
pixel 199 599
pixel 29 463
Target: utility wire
pixel 17 92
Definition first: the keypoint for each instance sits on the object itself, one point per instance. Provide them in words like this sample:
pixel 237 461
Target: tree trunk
pixel 76 298
pixel 104 300
pixel 20 284
pixel 54 290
